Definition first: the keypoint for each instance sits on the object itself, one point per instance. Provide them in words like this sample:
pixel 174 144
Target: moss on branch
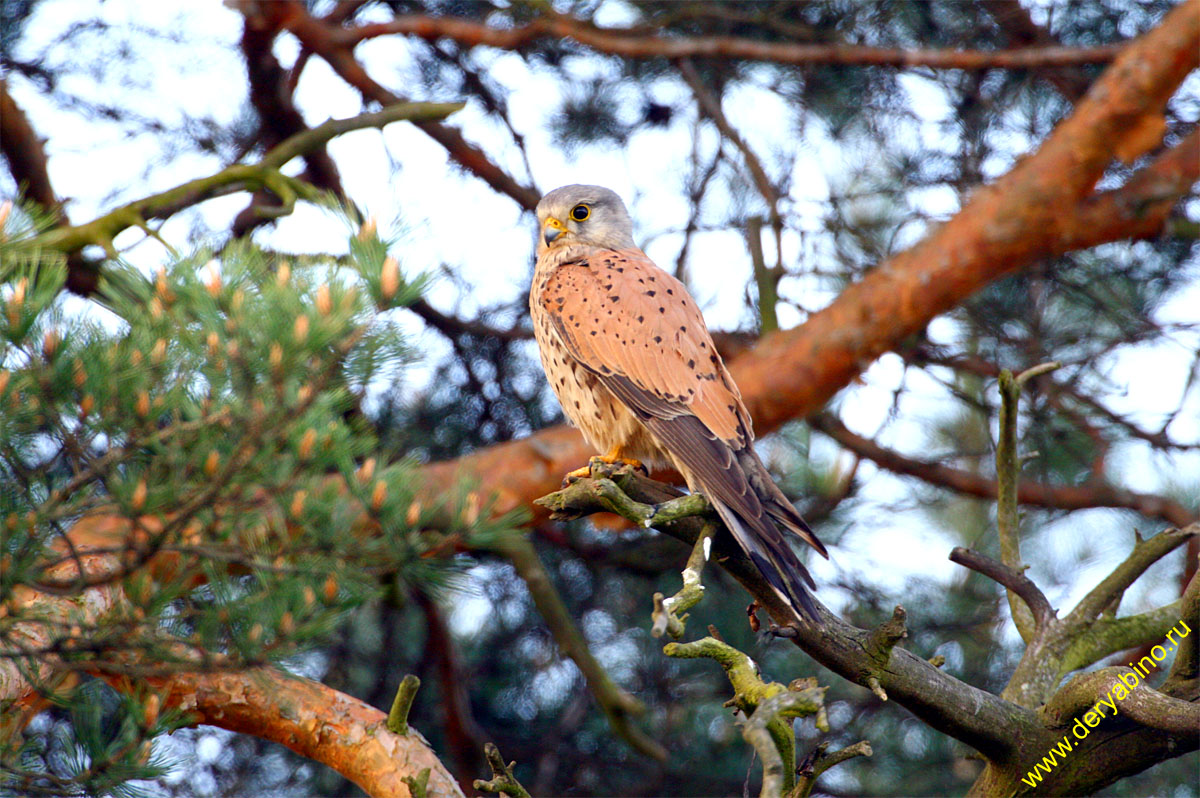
pixel 666 617
pixel 502 780
pixel 768 707
pixel 818 761
pixel 397 720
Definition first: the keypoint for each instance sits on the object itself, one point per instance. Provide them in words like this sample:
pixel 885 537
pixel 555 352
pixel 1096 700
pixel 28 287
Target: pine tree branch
pixel 26 156
pixel 1144 705
pixel 1060 497
pixel 1145 553
pixel 328 42
pixel 619 707
pixel 1036 211
pixel 1107 636
pixel 1012 579
pixel 313 720
pixel 237 177
pixel 982 720
pixel 637 44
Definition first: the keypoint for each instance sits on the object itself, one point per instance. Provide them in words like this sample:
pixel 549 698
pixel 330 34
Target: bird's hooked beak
pixel 552 230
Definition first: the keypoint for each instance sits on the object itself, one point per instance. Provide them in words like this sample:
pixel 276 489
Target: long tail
pixel 774 558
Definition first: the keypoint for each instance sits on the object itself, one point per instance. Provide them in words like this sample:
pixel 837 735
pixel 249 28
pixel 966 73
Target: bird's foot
pixel 604 466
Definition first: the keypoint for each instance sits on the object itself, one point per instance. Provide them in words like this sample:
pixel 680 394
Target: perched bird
pixel 630 358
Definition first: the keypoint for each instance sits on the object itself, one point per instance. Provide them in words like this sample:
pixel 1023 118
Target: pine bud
pixel 85 406
pixel 150 710
pixel 16 301
pixel 329 590
pixel 414 514
pixel 378 495
pixel 368 229
pixel 287 624
pixel 214 345
pixel 283 274
pixel 304 393
pixel 211 462
pixel 297 508
pixel 135 357
pixel 255 633
pixel 50 343
pixel 213 285
pixel 275 358
pixel 389 278
pixel 366 470
pixel 310 596
pixel 300 329
pixel 307 442
pixel 156 308
pixel 159 353
pixel 239 298
pixel 138 501
pixel 5 210
pixel 142 408
pixel 4 378
pixel 18 297
pixel 324 300
pixel 471 513
pixel 79 377
pixel 161 288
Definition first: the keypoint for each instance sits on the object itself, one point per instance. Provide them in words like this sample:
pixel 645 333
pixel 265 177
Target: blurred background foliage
pixel 910 144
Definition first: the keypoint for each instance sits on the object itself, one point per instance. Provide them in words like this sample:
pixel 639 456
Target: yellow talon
pixel 614 456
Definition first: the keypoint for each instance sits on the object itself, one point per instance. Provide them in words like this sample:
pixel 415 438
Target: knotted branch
pixel 768 708
pixel 818 761
pixel 502 780
pixel 666 614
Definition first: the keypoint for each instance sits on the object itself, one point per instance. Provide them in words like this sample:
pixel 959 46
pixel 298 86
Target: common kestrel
pixel 629 357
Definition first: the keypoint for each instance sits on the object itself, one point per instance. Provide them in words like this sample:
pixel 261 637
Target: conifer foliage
pixel 210 419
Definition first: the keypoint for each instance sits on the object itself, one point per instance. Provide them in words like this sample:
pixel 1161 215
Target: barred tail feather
pixel 774 559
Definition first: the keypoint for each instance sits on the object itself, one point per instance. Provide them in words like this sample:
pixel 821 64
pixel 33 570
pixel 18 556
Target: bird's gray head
pixel 583 215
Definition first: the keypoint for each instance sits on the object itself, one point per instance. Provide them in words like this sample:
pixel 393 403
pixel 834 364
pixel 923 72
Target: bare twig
pixel 769 707
pixel 818 761
pixel 1145 553
pixel 502 780
pixel 397 719
pixel 1061 497
pixel 1008 475
pixel 666 615
pixel 1011 578
pixel 637 44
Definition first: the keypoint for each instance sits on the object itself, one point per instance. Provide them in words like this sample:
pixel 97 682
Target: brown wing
pixel 620 315
pixel 636 328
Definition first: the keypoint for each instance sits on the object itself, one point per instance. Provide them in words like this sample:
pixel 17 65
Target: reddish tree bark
pixel 1042 208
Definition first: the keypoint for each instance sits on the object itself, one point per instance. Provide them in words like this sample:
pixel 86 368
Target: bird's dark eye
pixel 581 212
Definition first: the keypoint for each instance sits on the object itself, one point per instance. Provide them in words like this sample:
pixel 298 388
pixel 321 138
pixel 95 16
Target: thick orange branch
pixel 1042 208
pixel 313 720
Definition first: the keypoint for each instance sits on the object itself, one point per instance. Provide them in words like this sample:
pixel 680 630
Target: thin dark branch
pixel 639 44
pixel 1011 578
pixel 1061 497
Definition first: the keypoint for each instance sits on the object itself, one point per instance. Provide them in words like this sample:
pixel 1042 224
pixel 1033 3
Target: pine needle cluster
pixel 186 484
